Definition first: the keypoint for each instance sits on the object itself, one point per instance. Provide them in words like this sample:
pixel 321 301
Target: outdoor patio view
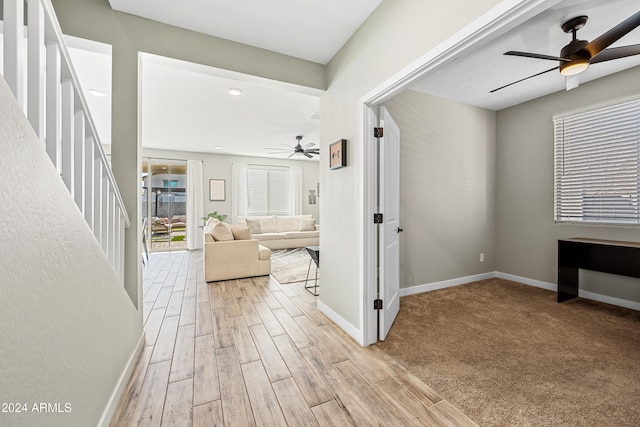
pixel 164 203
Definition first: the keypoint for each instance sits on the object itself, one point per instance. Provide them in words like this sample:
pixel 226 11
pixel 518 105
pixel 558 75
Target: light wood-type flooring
pixel 252 352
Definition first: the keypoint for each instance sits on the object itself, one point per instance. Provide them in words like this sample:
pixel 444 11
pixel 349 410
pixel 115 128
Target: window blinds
pixel 596 166
pixel 267 190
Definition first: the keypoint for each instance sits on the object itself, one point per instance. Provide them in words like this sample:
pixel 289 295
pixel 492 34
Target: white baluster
pixel 53 103
pixel 36 67
pixel 79 159
pixel 67 116
pixel 89 174
pixel 97 198
pixel 105 211
pixel 13 31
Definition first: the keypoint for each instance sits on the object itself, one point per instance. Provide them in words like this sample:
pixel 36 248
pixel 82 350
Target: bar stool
pixel 314 253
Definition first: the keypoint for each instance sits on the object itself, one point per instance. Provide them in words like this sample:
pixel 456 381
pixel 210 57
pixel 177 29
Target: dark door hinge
pixel 378 132
pixel 377 304
pixel 377 218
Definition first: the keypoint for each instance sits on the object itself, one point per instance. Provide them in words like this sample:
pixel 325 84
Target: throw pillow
pixel 269 224
pixel 254 225
pixel 241 233
pixel 222 233
pixel 307 225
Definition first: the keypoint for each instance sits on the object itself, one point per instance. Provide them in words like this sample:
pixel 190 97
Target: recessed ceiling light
pixel 97 92
pixel 235 91
pixel 217 147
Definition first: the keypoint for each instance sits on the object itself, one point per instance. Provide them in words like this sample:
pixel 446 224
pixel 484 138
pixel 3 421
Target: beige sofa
pixel 233 258
pixel 283 232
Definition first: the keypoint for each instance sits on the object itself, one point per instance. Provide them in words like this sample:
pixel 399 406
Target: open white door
pixel 389 242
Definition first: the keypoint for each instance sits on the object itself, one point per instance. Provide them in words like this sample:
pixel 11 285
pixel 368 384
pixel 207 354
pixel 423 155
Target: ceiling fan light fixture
pixel 575 66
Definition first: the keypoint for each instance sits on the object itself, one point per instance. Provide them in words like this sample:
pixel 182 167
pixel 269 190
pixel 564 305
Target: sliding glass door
pixel 164 203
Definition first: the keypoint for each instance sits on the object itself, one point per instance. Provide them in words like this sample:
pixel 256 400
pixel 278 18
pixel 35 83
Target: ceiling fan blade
pixel 308 145
pixel 290 155
pixel 526 78
pixel 308 155
pixel 535 56
pixel 616 52
pixel 614 34
pixel 572 82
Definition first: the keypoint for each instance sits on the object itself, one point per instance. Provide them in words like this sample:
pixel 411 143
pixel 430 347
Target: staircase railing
pixel 38 69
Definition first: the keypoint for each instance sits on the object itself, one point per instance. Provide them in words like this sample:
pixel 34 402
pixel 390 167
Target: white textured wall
pixel 447 188
pixel 526 235
pixel 396 34
pixel 67 326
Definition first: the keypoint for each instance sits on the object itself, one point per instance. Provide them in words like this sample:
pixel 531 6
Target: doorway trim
pixel 500 19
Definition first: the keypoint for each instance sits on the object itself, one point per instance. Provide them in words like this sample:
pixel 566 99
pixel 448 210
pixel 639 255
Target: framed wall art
pixel 338 154
pixel 217 190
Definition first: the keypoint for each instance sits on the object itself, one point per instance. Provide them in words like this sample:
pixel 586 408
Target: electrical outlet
pixel 482 257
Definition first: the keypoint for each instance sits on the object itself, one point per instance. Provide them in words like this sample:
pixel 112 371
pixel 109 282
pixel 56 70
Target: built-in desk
pixel 607 256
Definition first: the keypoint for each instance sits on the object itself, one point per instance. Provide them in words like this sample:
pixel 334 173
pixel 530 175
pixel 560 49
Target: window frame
pixel 593 183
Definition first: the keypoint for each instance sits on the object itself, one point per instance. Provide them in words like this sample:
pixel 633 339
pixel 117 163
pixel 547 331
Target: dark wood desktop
pixel 607 256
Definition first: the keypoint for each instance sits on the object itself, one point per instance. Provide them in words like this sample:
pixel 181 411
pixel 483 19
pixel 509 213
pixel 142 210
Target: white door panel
pixel 389 231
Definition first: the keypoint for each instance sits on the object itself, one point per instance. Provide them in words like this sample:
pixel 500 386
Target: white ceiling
pixel 308 29
pixel 187 107
pixel 469 77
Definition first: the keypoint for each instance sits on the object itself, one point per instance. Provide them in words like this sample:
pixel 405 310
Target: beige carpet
pixel 508 355
pixel 291 265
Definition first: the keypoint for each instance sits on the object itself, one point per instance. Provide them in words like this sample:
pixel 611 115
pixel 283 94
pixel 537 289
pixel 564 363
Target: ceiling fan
pixel 305 149
pixel 579 54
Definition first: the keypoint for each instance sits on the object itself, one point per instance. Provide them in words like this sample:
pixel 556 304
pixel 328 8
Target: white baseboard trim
pixel 526 281
pixel 445 284
pixel 355 333
pixel 633 305
pixel 112 405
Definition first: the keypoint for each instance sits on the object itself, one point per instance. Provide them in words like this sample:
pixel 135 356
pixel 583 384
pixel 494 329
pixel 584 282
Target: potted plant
pixel 214 214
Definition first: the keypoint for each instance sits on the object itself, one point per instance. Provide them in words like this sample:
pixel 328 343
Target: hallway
pixel 254 352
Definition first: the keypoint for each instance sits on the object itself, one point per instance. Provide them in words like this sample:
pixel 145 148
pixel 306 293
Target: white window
pixel 267 190
pixel 597 155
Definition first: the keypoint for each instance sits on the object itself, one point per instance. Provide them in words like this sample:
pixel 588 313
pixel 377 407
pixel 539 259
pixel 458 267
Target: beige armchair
pixel 234 259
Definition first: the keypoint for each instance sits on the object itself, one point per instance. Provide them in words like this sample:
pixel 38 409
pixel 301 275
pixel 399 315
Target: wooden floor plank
pixel 309 384
pixel 151 402
pixel 236 408
pixel 177 406
pixel 261 395
pixel 183 356
pixel 124 414
pixel 271 358
pixel 247 351
pixel 268 319
pixel 331 415
pixel 208 415
pixel 174 307
pixel 204 325
pixel 166 340
pixel 188 311
pixel 293 405
pixel 290 307
pixel 207 354
pixel 251 317
pixel 451 415
pixel 221 328
pixel 295 332
pixel 152 327
pixel 206 383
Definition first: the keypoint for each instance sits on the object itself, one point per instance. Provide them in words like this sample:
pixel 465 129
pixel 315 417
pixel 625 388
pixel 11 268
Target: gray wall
pixel 526 238
pixel 447 199
pixel 218 166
